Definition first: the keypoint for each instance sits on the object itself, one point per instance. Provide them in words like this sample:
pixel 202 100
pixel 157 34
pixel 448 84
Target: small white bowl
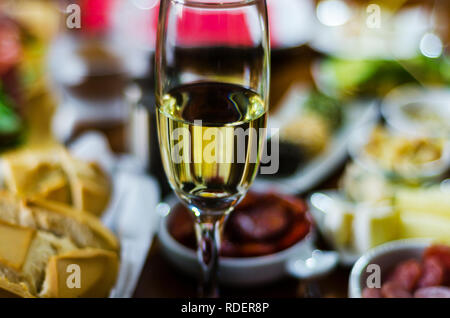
pixel 387 256
pixel 250 271
pixel 435 99
pixel 426 171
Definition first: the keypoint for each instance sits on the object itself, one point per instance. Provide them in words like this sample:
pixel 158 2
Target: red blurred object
pixel 96 15
pixel 10 45
pixel 291 23
pixel 407 274
pixel 203 29
pixel 371 293
pixel 441 252
pixel 433 273
pixel 411 278
pixel 11 55
pixel 433 292
pixel 262 224
pixel 394 290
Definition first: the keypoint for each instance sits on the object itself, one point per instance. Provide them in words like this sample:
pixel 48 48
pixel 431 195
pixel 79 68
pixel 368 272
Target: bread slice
pixel 33 176
pixel 84 229
pixel 24 258
pixel 26 170
pixel 16 243
pixel 13 290
pixel 90 187
pixel 50 172
pixel 40 241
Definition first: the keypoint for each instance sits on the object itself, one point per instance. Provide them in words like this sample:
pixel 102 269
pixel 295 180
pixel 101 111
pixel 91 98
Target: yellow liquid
pixel 211 163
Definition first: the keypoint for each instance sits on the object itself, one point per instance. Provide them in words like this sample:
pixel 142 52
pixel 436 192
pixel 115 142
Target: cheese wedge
pixel 13 290
pixel 374 225
pixel 25 255
pixel 434 201
pixel 81 273
pixel 424 225
pixel 90 187
pixel 40 178
pixel 41 242
pixel 15 244
pixel 84 229
pixel 50 172
pixel 338 223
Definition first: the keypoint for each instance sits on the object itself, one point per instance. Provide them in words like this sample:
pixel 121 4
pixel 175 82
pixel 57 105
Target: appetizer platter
pixel 313 130
pixel 395 188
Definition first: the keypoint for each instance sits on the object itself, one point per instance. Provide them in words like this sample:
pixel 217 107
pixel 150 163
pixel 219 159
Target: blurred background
pixel 359 90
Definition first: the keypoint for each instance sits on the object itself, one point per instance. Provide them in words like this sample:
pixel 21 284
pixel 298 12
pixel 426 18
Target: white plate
pixel 357 114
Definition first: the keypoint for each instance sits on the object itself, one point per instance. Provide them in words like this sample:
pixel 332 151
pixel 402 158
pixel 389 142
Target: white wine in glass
pixel 212 101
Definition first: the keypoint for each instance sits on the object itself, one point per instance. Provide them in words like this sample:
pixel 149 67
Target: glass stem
pixel 208 230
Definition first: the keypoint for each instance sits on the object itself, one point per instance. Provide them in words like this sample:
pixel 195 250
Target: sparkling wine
pixel 211 137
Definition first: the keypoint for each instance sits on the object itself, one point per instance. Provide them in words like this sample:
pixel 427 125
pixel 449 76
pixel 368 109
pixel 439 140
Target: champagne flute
pixel 212 85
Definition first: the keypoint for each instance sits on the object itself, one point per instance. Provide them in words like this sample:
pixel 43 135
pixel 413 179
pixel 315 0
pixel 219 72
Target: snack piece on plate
pixel 262 224
pixel 98 270
pixel 442 254
pixel 423 225
pixel 49 172
pixel 42 239
pixel 424 213
pixel 309 132
pixel 355 227
pixel 362 185
pixel 36 172
pixel 90 187
pixel 338 223
pixel 433 272
pixel 265 223
pixel 406 275
pixel 400 154
pixel 374 225
pixel 433 200
pixel 433 292
pixel 426 278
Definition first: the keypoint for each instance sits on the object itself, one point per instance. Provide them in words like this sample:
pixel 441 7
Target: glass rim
pixel 215 5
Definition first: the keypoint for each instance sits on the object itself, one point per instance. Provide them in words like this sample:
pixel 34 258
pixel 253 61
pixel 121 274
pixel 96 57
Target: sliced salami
pixel 433 292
